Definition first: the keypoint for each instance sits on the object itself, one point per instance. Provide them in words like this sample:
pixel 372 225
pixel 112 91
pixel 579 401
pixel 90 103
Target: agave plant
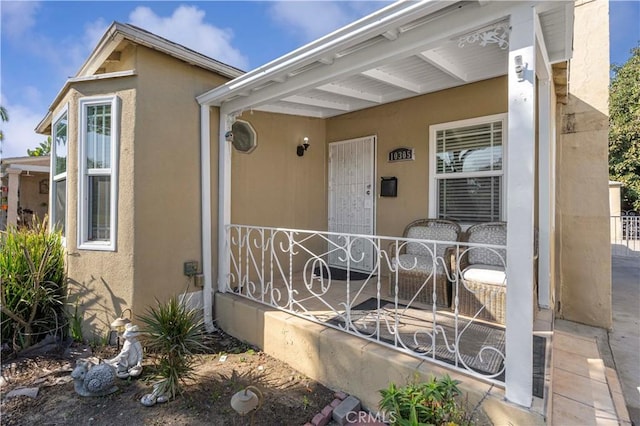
pixel 175 333
pixel 33 279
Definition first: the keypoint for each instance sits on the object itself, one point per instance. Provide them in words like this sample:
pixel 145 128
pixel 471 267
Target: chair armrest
pixel 459 259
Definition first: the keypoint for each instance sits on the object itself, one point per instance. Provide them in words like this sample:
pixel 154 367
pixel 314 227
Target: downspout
pixel 205 185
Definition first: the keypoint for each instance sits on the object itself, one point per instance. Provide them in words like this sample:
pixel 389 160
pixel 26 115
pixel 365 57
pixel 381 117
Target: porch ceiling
pixel 404 50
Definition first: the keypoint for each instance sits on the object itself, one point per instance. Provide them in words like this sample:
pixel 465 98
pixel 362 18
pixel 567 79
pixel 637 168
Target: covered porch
pixel 383 74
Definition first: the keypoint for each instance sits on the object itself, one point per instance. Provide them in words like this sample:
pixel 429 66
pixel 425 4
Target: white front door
pixel 352 200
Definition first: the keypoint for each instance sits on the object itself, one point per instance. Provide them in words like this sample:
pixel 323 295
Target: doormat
pixel 340 274
pixel 413 325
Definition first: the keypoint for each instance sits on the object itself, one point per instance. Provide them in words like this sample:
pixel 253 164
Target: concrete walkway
pixel 624 338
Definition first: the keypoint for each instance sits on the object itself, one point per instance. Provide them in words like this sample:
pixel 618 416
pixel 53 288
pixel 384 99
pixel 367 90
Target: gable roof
pixel 112 38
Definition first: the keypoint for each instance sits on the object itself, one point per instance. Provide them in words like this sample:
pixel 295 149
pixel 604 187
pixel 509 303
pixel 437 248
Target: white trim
pixel 54 179
pixel 83 173
pixel 433 187
pixel 224 199
pixel 207 237
pixel 106 76
pixel 30 168
pixel 545 197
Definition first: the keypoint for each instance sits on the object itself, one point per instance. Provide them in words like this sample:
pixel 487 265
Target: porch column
pixel 12 196
pixel 546 166
pixel 520 207
pixel 205 186
pixel 546 192
pixel 224 200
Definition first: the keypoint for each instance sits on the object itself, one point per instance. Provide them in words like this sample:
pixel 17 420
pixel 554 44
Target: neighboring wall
pixel 582 210
pixel 406 123
pixel 30 196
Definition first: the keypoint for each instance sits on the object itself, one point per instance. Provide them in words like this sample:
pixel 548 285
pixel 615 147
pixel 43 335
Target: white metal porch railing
pixel 412 306
pixel 625 234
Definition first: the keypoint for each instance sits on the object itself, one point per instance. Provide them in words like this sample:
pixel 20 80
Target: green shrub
pixel 424 403
pixel 175 333
pixel 33 284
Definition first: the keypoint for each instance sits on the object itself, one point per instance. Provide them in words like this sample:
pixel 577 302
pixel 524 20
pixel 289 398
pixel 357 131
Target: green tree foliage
pixel 624 129
pixel 4 116
pixel 43 149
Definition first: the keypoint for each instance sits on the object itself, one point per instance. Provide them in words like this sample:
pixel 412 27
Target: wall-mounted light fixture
pixel 302 147
pixel 520 68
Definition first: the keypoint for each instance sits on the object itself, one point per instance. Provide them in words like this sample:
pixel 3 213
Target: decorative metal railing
pixel 625 234
pixel 411 300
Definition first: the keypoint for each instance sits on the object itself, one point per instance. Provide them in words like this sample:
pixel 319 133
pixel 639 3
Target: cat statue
pixel 93 380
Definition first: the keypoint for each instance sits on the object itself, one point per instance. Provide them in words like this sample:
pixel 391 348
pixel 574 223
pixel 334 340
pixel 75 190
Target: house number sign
pixel 401 154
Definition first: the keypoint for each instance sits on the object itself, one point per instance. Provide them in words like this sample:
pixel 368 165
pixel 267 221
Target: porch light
pixel 119 324
pixel 302 147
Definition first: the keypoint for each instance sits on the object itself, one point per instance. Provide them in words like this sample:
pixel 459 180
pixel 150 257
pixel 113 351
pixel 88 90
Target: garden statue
pixel 93 380
pixel 128 362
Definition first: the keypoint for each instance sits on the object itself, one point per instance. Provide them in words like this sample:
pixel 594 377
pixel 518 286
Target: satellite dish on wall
pixel 242 136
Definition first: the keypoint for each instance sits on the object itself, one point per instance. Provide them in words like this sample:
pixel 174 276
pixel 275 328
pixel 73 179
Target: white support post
pixel 546 196
pixel 520 207
pixel 224 201
pixel 12 196
pixel 205 186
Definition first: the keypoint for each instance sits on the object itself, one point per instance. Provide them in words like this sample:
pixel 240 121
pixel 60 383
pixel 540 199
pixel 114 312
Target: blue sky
pixel 44 43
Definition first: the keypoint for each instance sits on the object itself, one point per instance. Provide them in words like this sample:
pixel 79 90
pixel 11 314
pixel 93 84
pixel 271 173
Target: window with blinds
pixel 468 179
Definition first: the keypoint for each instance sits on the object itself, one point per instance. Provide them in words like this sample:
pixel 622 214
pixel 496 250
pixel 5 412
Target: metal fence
pixel 410 302
pixel 625 235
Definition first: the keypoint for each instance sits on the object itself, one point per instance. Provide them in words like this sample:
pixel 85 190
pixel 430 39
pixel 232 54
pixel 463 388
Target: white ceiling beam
pixel 392 80
pixel 437 60
pixel 391 35
pixel 422 38
pixel 320 103
pixel 281 109
pixel 350 92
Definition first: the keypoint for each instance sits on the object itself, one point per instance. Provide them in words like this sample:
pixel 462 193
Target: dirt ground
pixel 289 397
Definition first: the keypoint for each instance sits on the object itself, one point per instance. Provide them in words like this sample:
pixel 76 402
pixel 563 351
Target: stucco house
pixel 24 190
pixel 471 112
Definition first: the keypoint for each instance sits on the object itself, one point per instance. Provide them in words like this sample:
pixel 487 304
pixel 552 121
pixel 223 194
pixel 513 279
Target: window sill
pixel 97 246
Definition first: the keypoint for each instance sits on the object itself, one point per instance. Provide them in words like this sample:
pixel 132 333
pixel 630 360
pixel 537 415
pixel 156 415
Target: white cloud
pixel 186 26
pixel 19 134
pixel 314 19
pixel 18 17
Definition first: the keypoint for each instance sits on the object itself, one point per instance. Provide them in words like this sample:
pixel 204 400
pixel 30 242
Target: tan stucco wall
pixel 582 211
pixel 167 175
pixel 159 188
pixel 272 186
pixel 406 123
pixel 101 281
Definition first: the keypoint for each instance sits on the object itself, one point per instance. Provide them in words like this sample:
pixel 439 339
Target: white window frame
pixel 433 175
pixel 55 178
pixel 84 173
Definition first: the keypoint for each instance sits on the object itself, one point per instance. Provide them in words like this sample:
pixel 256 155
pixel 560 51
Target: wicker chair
pixel 482 273
pixel 414 262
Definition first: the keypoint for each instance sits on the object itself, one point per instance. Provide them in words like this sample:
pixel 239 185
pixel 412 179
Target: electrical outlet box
pixel 191 268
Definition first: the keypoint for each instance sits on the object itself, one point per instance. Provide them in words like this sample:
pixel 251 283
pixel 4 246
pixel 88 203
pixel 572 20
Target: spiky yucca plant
pixel 32 274
pixel 175 333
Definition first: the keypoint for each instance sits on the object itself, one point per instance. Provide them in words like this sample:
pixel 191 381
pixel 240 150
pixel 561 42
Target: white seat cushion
pixel 489 274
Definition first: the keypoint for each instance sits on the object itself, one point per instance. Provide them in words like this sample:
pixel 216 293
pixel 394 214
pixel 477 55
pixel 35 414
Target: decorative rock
pixel 30 392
